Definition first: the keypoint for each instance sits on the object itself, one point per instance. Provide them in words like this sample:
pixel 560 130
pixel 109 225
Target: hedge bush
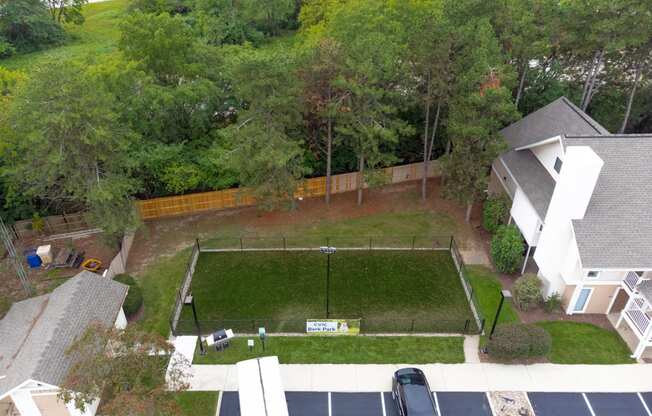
pixel 527 291
pixel 134 300
pixel 507 248
pixel 494 213
pixel 513 341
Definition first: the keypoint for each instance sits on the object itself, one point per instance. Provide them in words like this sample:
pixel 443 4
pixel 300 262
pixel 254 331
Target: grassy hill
pixel 98 35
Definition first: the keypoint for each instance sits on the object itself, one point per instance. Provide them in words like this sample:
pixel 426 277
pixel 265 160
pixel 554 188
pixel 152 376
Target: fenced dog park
pixel 405 284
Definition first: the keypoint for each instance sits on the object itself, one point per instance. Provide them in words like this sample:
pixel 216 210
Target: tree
pixel 163 44
pixel 27 26
pixel 119 367
pixel 69 11
pixel 226 22
pixel 260 147
pixel 65 122
pixel 428 52
pixel 474 124
pixel 595 29
pixel 638 64
pixel 372 79
pixel 323 99
pixel 314 12
pixel 526 30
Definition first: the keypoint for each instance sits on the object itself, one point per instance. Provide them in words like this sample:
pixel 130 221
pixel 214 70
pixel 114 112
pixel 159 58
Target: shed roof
pixel 36 332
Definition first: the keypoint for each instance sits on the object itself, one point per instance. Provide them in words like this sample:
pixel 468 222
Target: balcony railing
pixel 631 280
pixel 640 319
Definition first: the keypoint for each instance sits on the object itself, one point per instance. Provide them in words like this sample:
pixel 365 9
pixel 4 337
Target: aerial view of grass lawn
pixel 343 350
pixel 391 290
pixel 583 343
pixel 98 35
pixel 197 403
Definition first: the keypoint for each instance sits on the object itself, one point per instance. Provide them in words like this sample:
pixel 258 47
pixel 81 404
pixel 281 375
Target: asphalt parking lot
pixel 455 404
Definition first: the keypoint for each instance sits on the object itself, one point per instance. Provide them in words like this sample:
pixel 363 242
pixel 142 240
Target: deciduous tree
pixel 127 370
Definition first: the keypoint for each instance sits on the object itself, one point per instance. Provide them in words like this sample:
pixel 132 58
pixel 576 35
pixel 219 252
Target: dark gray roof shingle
pixel 532 178
pixel 36 332
pixel 616 231
pixel 559 117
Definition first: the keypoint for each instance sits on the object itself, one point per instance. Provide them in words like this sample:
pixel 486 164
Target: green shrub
pixel 494 213
pixel 553 303
pixel 513 341
pixel 527 291
pixel 134 299
pixel 507 248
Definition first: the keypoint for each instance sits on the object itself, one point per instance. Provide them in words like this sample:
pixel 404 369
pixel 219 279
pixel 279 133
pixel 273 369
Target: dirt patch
pixel 42 280
pixel 165 237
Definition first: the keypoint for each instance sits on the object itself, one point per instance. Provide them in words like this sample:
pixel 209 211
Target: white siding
pixel 547 155
pixel 525 217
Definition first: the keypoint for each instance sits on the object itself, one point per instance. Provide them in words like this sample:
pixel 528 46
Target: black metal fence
pixel 182 322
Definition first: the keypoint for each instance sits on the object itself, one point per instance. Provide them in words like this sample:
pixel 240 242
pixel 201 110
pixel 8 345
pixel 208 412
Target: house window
pixel 558 165
pixel 593 274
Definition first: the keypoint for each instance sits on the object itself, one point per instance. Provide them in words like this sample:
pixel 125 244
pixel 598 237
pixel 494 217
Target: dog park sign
pixel 333 326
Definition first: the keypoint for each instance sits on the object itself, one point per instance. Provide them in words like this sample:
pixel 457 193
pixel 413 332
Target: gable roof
pixel 559 117
pixel 36 332
pixel 616 231
pixel 533 179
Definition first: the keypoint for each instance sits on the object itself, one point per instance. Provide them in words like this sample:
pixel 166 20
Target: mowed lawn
pixel 394 291
pixel 343 350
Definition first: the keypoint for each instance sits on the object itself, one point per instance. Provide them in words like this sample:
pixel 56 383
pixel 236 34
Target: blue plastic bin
pixel 33 260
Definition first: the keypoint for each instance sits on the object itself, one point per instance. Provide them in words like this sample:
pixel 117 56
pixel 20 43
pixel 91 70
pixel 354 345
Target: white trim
pixel 540 143
pixel 330 405
pixel 382 402
pixel 45 386
pixel 434 393
pixel 588 299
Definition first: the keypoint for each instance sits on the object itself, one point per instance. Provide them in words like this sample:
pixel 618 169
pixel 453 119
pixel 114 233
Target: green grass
pixel 160 281
pixel 487 287
pixel 582 343
pixel 344 350
pixel 385 229
pixel 197 403
pixel 392 291
pixel 97 36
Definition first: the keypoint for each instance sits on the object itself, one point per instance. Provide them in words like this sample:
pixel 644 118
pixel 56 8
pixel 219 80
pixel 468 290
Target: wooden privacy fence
pixel 239 197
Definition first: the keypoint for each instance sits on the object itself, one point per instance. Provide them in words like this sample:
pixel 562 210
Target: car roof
pixel 418 400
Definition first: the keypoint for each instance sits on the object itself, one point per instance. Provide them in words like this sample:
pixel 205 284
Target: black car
pixel 412 394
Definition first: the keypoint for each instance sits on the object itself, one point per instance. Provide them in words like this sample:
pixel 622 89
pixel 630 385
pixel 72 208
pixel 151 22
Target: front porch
pixel 634 321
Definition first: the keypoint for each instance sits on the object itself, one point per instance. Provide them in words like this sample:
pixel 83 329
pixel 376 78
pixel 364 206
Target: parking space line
pixel 382 402
pixel 330 406
pixel 647 409
pixel 434 393
pixel 588 404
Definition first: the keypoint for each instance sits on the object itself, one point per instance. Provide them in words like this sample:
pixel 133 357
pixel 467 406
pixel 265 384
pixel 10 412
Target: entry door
pixel 582 299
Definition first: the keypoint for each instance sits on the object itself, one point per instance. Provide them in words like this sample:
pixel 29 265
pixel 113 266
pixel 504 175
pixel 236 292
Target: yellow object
pixel 92 265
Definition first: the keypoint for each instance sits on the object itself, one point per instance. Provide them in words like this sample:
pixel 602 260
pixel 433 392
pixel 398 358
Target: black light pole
pixel 190 300
pixel 503 294
pixel 328 251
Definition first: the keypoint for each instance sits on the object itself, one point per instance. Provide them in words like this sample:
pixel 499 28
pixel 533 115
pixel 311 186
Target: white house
pixel 582 199
pixel 34 337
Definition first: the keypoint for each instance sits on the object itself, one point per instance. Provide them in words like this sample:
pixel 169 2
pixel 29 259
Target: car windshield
pixel 411 378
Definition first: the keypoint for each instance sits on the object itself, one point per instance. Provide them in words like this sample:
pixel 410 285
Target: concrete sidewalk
pixel 443 377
